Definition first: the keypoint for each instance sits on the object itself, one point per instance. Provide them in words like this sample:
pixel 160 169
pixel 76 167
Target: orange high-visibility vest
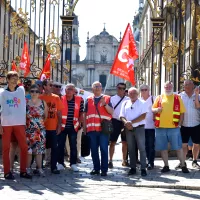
pixel 93 121
pixel 176 111
pixel 76 112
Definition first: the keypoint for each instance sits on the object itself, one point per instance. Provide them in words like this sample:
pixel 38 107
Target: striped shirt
pixel 70 115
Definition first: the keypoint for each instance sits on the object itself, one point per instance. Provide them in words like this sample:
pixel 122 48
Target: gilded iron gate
pixel 175 43
pixel 39 23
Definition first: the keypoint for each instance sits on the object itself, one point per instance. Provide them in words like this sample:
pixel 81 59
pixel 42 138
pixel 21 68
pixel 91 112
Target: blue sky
pixel 93 14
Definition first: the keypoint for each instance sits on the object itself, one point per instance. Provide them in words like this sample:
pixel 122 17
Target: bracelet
pixel 105 105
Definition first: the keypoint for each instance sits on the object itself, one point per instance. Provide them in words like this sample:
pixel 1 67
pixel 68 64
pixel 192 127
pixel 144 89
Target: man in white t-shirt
pixel 132 114
pixel 13 120
pixel 117 101
pixel 149 126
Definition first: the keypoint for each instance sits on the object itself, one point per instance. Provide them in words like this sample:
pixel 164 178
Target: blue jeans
pixel 98 139
pixel 52 142
pixel 150 145
pixel 72 134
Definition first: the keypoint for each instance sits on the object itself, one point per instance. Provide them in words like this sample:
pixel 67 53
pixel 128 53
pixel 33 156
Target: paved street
pixel 117 184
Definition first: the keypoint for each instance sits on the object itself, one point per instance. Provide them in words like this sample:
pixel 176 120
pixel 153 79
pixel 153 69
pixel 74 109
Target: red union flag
pixel 124 60
pixel 25 60
pixel 45 74
pixel 14 67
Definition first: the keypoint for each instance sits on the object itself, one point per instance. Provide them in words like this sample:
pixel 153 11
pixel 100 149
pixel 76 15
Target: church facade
pixel 100 54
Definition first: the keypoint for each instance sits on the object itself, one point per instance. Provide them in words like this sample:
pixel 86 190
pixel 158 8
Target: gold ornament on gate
pixel 19 23
pixel 198 27
pixel 70 6
pixel 170 52
pixel 53 45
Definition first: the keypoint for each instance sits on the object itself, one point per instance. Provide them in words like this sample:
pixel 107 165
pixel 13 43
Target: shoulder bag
pixel 106 125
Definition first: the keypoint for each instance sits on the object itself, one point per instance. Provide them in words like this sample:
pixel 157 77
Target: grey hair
pixel 133 88
pixel 169 82
pixel 188 80
pixel 143 86
pixel 70 85
pixel 96 82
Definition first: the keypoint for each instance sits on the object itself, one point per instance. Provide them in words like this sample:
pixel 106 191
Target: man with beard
pixel 169 109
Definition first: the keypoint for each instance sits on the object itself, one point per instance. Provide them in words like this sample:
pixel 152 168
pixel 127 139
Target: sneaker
pixel 74 168
pixel 25 175
pixel 179 166
pixel 195 164
pixel 55 171
pixel 29 171
pixel 47 164
pixel 94 172
pixel 165 169
pixel 110 165
pixel 103 173
pixel 143 172
pixel 41 172
pixel 9 176
pixel 185 169
pixel 132 171
pixel 36 172
pixel 60 167
pixel 150 167
pixel 125 163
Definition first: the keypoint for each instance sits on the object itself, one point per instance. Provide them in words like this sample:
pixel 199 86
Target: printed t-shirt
pixel 166 116
pixel 54 104
pixel 13 107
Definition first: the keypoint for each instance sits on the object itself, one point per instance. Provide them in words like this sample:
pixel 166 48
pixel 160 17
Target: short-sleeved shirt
pixel 166 116
pixel 114 100
pixel 192 114
pixel 131 111
pixel 54 104
pixel 70 115
pixel 13 107
pixel 149 123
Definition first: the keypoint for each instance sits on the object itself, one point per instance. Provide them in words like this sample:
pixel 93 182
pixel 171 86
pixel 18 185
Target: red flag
pixel 25 60
pixel 45 74
pixel 14 67
pixel 124 60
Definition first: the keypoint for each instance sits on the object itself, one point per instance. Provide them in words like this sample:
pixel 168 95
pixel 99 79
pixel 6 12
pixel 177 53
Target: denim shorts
pixel 168 135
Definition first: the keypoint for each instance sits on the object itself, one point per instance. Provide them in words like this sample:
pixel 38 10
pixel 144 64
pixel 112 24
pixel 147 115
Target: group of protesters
pixel 45 125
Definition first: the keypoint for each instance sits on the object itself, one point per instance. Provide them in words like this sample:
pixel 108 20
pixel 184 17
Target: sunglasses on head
pixel 34 91
pixel 57 86
pixel 143 90
pixel 121 88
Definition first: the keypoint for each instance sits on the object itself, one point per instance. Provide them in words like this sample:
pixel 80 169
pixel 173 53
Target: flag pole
pixel 106 84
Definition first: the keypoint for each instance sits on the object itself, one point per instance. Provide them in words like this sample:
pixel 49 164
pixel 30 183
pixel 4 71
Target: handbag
pixel 85 145
pixel 106 125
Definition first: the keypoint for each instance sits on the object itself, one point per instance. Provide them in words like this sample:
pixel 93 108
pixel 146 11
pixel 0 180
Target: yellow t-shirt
pixel 166 116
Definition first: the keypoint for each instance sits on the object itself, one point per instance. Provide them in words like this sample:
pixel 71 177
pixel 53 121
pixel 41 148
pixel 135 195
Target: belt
pixel 142 125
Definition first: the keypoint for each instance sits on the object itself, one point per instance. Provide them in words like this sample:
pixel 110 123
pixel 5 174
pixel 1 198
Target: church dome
pixel 104 33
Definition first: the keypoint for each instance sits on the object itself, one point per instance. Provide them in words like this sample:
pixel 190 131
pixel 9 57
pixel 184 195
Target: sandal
pixel 25 175
pixel 9 176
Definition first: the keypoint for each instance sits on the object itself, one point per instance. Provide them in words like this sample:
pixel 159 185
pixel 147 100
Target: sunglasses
pixel 57 86
pixel 34 91
pixel 97 86
pixel 50 85
pixel 121 88
pixel 69 89
pixel 143 90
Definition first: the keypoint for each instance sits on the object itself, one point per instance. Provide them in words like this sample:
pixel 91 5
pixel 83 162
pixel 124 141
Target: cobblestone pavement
pixel 81 185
